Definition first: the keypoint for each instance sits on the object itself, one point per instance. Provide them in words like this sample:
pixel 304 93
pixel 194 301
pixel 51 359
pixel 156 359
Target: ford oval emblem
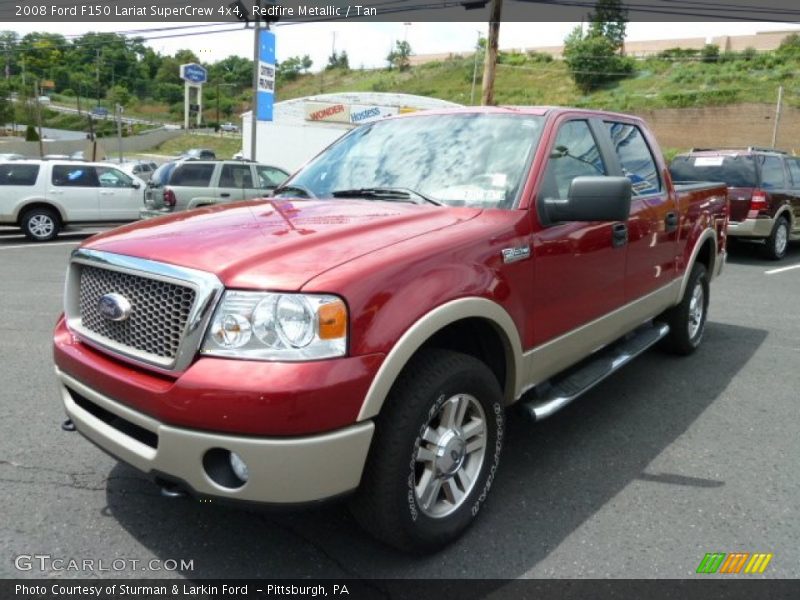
pixel 114 307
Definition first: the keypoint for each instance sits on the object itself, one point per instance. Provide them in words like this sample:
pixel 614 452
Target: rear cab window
pixel 635 157
pixel 18 174
pixel 734 170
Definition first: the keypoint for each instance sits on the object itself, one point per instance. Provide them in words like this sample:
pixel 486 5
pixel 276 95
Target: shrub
pixel 30 134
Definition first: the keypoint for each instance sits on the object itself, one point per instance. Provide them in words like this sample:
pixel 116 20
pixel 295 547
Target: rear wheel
pixel 435 453
pixel 778 241
pixel 40 224
pixel 687 320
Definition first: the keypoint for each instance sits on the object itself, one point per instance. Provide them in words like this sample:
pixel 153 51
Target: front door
pixel 580 266
pixel 119 199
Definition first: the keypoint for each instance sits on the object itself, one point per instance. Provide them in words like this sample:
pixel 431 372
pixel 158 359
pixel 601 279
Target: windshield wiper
pixel 292 186
pixel 386 193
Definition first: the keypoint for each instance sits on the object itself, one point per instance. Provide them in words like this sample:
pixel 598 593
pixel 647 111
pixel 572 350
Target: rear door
pixel 774 182
pixel 793 165
pixel 653 223
pixel 119 200
pixel 75 187
pixel 236 183
pixel 580 268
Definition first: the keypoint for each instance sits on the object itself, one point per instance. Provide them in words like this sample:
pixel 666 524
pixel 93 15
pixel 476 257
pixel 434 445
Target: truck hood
pixel 276 244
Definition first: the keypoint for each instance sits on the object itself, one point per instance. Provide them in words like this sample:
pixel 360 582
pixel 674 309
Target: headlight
pixel 270 326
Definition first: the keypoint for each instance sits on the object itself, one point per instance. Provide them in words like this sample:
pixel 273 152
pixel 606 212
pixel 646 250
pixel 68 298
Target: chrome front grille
pixel 159 310
pixel 167 307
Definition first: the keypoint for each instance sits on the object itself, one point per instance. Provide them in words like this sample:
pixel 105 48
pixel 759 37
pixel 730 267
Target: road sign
pixel 194 73
pixel 266 75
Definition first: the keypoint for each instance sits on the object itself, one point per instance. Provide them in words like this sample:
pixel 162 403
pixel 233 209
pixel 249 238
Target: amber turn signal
pixel 332 320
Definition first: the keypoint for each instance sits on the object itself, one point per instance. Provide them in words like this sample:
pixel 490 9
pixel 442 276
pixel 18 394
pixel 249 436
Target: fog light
pixel 239 467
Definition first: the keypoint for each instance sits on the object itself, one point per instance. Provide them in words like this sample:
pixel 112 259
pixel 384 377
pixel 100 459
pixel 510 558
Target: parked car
pixel 12 156
pixel 230 127
pixel 43 197
pixel 141 169
pixel 364 331
pixel 43 99
pixel 198 153
pixel 763 190
pixel 195 183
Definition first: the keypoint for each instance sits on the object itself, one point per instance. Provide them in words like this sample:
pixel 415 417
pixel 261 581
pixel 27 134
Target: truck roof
pixel 538 111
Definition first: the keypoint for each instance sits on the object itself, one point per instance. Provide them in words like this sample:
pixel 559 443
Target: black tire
pixel 777 243
pixel 387 502
pixel 40 224
pixel 686 328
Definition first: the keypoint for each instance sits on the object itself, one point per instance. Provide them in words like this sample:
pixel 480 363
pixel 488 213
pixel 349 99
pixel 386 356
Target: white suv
pixel 42 197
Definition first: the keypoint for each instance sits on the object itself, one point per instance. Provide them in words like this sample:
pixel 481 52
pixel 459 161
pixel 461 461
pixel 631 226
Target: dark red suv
pixel 763 190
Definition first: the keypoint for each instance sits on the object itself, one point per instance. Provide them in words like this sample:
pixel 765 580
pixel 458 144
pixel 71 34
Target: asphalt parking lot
pixel 665 461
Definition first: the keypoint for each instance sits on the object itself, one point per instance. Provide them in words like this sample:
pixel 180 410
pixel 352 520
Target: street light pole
pixel 491 53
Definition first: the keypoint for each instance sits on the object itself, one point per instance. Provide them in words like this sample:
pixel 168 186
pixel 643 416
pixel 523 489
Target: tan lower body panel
pixel 556 355
pixel 281 470
pixel 755 228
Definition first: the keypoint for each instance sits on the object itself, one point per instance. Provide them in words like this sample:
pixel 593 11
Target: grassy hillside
pixel 521 79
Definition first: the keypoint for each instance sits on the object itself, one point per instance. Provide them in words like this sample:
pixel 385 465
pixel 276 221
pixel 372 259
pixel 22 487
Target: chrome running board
pixel 553 395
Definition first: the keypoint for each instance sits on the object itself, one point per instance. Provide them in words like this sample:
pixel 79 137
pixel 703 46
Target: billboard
pixel 366 114
pixel 326 111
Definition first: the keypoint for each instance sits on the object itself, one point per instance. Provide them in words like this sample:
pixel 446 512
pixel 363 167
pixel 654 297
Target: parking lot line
pixel 782 269
pixel 45 245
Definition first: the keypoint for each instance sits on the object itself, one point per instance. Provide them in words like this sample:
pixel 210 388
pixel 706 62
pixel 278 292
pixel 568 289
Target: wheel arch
pixel 442 327
pixel 705 252
pixel 38 203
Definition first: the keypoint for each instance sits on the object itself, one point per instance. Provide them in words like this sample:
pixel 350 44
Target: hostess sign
pixel 194 73
pixel 365 114
pixel 355 114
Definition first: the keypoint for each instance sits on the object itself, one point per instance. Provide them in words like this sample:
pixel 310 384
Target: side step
pixel 553 395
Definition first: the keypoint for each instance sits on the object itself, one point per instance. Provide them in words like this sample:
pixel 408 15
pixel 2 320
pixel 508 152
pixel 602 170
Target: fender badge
pixel 514 254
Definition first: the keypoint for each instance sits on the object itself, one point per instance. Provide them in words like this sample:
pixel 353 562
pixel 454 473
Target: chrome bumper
pixel 281 470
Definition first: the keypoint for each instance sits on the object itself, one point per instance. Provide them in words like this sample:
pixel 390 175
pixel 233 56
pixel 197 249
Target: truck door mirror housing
pixel 591 198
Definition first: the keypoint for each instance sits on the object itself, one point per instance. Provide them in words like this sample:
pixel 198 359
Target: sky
pixel 367 44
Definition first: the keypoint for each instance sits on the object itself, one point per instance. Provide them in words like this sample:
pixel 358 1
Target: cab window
pixel 574 154
pixel 635 158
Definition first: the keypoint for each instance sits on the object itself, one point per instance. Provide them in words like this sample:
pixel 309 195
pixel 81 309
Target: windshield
pixel 734 171
pixel 472 160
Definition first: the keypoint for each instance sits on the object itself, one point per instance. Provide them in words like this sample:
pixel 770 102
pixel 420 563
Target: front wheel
pixel 687 320
pixel 435 453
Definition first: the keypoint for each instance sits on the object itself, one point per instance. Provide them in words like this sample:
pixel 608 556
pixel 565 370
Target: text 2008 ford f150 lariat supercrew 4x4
pixel 363 332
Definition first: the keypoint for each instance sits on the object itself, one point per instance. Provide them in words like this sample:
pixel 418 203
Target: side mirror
pixel 135 185
pixel 591 198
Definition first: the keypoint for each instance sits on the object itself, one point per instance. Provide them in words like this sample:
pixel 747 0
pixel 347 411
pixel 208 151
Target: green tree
pixel 30 134
pixel 709 53
pixel 119 94
pixel 609 20
pixel 338 61
pixel 399 55
pixel 306 63
pixel 289 69
pixel 593 60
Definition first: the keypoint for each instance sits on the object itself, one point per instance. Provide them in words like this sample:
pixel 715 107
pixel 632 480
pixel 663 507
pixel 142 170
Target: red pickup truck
pixel 363 332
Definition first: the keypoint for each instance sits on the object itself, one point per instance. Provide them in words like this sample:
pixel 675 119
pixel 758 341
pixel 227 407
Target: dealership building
pixel 302 127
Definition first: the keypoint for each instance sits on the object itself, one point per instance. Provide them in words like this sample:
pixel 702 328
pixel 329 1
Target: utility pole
pixel 777 116
pixel 475 69
pixel 218 127
pixel 491 53
pixel 118 110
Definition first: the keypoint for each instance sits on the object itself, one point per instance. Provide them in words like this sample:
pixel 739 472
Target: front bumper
pixel 752 228
pixel 281 470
